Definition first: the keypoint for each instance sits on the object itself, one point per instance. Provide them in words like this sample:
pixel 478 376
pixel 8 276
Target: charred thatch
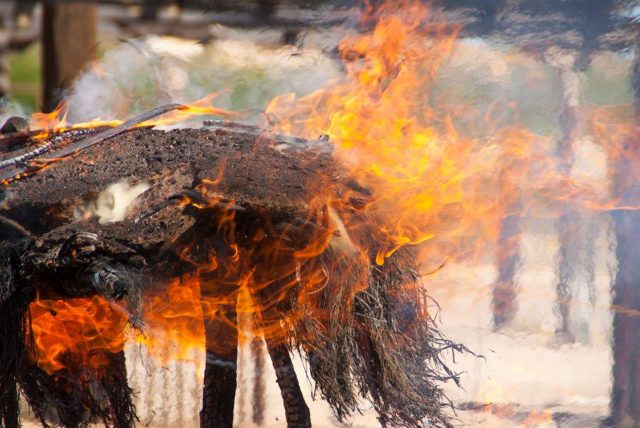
pixel 256 202
pixel 384 348
pixel 78 395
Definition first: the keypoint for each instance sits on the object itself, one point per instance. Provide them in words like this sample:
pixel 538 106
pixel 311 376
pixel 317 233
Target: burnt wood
pixel 296 409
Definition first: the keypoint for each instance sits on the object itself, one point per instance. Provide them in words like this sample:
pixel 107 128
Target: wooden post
pixel 221 332
pixel 625 403
pixel 563 61
pixel 296 410
pixel 69 36
pixel 505 294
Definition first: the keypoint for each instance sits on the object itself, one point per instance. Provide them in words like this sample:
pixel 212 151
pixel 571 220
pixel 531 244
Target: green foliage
pixel 24 72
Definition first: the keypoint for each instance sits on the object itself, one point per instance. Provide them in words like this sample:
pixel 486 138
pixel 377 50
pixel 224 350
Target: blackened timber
pixel 296 410
pixel 258 396
pixel 219 392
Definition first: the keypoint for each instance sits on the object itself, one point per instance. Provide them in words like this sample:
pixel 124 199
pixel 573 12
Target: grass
pixel 24 72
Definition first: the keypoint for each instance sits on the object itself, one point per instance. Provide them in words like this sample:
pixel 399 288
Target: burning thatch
pixel 250 217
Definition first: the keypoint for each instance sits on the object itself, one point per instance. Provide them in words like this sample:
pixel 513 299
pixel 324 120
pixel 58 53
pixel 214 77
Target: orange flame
pixel 56 121
pixel 410 156
pixel 513 413
pixel 422 171
pixel 174 321
pixel 538 418
pixel 82 330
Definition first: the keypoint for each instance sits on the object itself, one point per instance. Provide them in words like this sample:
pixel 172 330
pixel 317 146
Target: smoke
pixel 143 73
pixel 9 108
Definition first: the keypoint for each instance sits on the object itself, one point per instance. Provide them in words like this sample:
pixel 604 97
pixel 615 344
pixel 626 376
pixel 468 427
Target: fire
pixel 174 320
pixel 248 280
pixel 81 331
pixel 539 419
pixel 427 182
pixel 201 107
pixel 519 417
pixel 426 176
pixel 433 187
pixel 56 121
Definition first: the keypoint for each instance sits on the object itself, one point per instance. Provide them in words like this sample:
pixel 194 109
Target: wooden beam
pixel 69 43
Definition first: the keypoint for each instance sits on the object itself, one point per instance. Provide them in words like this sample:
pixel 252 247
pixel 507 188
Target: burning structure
pixel 245 224
pixel 270 246
pixel 266 246
pixel 313 244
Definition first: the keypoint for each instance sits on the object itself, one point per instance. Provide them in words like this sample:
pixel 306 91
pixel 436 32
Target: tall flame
pixel 424 174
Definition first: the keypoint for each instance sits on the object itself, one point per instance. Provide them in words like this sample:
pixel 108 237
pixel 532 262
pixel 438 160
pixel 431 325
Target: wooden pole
pixel 220 382
pixel 69 36
pixel 296 410
pixel 563 61
pixel 505 293
pixel 625 403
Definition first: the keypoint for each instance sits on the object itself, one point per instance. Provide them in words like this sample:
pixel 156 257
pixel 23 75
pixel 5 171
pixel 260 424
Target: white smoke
pixel 144 73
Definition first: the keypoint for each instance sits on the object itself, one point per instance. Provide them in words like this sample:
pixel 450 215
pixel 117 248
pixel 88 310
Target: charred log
pixel 220 373
pixel 258 395
pixel 296 410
